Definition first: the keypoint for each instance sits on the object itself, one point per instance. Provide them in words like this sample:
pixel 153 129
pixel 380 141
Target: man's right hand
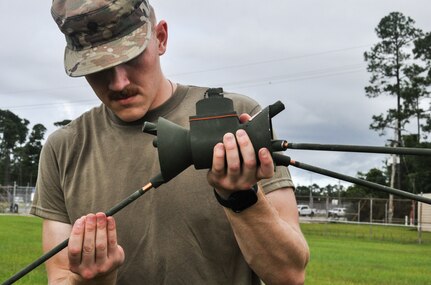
pixel 92 256
pixel 93 251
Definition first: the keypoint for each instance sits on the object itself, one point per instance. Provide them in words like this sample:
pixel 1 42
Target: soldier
pixel 179 233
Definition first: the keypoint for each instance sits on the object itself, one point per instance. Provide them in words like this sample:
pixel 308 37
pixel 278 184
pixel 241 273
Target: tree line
pixel 20 149
pixel 399 65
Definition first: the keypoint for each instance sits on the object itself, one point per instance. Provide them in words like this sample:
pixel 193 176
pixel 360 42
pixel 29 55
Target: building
pixel 424 214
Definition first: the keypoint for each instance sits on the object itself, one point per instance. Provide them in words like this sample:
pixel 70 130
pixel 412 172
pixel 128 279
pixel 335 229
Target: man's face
pixel 132 88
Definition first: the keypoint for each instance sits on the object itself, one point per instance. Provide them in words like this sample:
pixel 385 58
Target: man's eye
pixel 135 60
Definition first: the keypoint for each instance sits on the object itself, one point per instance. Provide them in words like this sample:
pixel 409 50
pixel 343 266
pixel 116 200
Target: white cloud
pixel 308 54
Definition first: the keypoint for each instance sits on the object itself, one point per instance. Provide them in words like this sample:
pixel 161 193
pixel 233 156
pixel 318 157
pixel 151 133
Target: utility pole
pixel 310 198
pixel 391 196
pixel 395 174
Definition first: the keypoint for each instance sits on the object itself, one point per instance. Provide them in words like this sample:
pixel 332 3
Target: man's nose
pixel 118 78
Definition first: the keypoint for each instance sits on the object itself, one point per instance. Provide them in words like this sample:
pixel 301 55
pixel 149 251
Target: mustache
pixel 128 91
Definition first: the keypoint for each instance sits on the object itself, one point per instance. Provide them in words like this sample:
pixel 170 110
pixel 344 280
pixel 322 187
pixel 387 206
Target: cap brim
pixel 84 62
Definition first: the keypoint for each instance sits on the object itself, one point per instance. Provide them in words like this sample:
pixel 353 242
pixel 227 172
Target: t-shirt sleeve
pixel 48 202
pixel 281 179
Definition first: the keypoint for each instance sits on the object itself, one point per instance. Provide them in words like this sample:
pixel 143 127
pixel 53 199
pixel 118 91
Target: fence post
pixel 311 199
pixel 327 205
pixel 13 199
pixel 14 192
pixel 420 221
pixel 386 212
pixel 371 218
pixel 359 211
pixel 26 197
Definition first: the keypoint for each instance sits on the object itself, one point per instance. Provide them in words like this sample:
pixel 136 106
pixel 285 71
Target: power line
pixel 271 80
pixel 34 106
pixel 278 79
pixel 277 60
pixel 43 89
pixel 290 80
pixel 313 74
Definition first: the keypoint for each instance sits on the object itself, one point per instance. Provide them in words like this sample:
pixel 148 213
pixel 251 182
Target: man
pixel 178 233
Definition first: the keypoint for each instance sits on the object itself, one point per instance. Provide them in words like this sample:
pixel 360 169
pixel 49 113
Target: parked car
pixel 337 212
pixel 305 210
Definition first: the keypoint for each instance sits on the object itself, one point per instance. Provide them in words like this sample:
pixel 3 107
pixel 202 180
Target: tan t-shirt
pixel 174 234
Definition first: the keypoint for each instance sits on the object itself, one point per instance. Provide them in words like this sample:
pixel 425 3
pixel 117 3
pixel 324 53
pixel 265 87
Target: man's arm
pixel 92 255
pixel 268 232
pixel 57 267
pixel 270 238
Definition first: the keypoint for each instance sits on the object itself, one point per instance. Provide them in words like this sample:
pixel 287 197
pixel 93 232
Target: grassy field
pixel 340 254
pixel 20 244
pixel 357 254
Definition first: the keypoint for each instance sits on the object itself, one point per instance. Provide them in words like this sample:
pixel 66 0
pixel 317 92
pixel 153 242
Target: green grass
pixel 398 234
pixel 357 254
pixel 340 254
pixel 20 244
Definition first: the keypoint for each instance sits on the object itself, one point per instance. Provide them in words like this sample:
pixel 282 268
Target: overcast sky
pixel 307 54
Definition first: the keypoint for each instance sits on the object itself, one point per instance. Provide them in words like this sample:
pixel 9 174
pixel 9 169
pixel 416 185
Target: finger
pixel 218 165
pixel 113 248
pixel 101 239
pixel 232 157
pixel 244 118
pixel 88 248
pixel 249 158
pixel 112 235
pixel 266 168
pixel 75 243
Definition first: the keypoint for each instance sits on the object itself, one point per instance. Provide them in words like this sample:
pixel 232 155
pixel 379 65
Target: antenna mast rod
pixel 285 160
pixel 154 183
pixel 358 148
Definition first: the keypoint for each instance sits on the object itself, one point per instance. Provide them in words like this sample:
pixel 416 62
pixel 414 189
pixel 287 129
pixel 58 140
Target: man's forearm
pixel 274 247
pixel 74 279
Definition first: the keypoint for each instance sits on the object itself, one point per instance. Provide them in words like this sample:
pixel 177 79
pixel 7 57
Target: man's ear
pixel 161 33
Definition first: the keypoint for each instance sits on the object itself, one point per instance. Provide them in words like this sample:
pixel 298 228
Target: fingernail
pixel 219 150
pixel 229 137
pixel 100 220
pixel 111 223
pixel 79 223
pixel 91 219
pixel 240 133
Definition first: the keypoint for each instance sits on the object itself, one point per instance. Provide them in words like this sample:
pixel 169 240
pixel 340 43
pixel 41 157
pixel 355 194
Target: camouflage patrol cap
pixel 101 33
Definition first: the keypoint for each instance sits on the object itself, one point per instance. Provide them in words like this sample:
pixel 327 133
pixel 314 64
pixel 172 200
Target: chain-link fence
pixel 364 210
pixel 16 199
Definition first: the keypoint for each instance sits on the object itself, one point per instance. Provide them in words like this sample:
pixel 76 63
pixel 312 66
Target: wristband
pixel 240 200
